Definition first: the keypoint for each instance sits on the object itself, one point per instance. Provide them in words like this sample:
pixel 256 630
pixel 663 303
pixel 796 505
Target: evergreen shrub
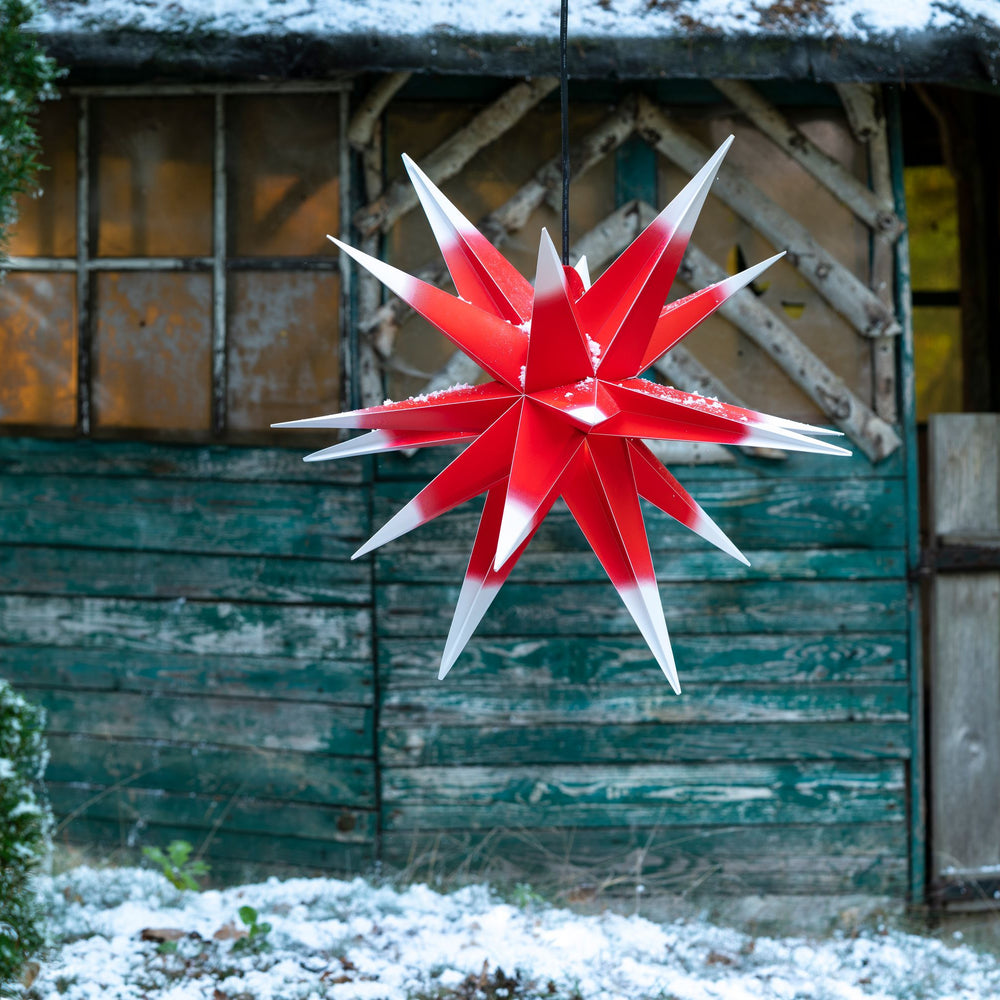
pixel 26 77
pixel 25 830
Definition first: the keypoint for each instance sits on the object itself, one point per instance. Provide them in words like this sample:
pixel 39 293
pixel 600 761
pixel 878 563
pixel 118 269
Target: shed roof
pixel 792 39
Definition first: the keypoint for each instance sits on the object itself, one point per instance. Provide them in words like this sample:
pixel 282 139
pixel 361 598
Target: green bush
pixel 26 77
pixel 25 829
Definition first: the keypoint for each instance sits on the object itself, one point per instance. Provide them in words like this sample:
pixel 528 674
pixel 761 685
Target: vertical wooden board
pixel 965 733
pixel 964 457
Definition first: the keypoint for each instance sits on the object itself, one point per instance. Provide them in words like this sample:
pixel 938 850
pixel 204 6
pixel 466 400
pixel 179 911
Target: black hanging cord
pixel 564 123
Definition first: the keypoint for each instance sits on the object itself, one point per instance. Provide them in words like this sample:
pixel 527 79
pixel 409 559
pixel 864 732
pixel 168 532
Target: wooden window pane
pixel 153 181
pixel 284 352
pixel 937 354
pixel 284 158
pixel 46 224
pixel 152 351
pixel 38 348
pixel 932 217
pixel 492 176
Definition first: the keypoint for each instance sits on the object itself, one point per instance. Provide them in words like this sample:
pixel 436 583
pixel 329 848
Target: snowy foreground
pixel 127 933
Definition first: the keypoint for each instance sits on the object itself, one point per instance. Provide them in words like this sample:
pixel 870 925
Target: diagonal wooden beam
pixel 511 216
pixel 453 154
pixel 866 204
pixel 876 438
pixel 839 286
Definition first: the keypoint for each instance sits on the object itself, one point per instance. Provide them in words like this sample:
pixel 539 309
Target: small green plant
pixel 523 896
pixel 177 865
pixel 257 931
pixel 25 831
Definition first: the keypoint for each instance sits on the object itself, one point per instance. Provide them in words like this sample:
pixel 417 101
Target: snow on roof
pixel 803 35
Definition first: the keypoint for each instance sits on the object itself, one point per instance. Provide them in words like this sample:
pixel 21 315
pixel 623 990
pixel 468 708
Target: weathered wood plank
pixel 208 770
pixel 502 704
pixel 589 863
pixel 588 609
pixel 399 565
pixel 180 626
pixel 342 730
pixel 429 461
pixel 239 814
pixel 146 459
pixel 206 675
pixel 174 516
pixel 406 743
pixel 775 659
pixel 849 513
pixel 111 573
pixel 964 453
pixel 234 856
pixel 644 795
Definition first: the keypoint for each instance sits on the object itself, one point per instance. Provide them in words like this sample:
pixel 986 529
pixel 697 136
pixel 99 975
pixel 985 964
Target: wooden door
pixel 964 696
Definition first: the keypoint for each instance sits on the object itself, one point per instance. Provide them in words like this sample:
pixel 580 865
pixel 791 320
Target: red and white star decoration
pixel 565 411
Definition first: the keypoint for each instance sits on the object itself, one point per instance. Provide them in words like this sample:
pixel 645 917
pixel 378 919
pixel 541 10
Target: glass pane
pixel 38 348
pixel 152 351
pixel 153 180
pixel 932 214
pixel 492 177
pixel 284 159
pixel 937 355
pixel 283 347
pixel 46 224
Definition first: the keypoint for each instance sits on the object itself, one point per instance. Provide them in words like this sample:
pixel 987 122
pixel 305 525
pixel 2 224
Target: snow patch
pixel 351 940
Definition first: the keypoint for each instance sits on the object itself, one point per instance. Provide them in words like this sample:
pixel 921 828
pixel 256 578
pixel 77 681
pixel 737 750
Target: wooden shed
pixel 176 584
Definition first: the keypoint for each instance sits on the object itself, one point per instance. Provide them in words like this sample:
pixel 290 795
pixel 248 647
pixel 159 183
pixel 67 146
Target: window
pixel 174 279
pixel 932 209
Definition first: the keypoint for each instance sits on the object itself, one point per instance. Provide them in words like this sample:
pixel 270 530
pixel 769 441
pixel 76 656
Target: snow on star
pixel 566 412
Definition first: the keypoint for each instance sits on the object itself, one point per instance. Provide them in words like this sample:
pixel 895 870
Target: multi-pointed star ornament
pixel 566 410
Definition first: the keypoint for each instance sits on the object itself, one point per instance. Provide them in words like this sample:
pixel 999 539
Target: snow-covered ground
pixel 125 933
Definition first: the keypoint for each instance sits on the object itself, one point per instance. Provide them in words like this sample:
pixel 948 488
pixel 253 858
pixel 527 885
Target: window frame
pixel 85 264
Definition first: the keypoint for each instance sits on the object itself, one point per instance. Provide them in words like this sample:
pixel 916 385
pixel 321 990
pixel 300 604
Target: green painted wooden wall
pixel 216 668
pixel 192 622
